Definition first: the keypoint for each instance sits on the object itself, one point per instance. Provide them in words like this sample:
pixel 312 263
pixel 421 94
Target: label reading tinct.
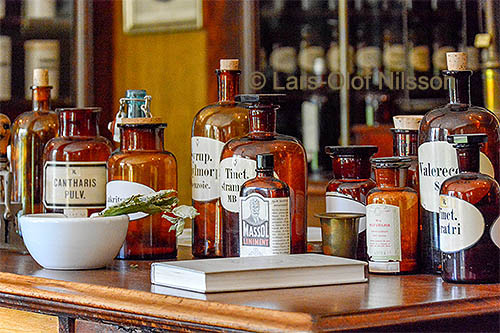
pixel 119 190
pixel 234 172
pixel 383 232
pixel 205 158
pixel 264 226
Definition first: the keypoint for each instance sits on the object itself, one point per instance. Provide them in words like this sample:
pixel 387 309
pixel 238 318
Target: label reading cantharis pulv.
pixel 234 172
pixel 341 203
pixel 74 185
pixel 264 226
pixel 383 232
pixel 205 158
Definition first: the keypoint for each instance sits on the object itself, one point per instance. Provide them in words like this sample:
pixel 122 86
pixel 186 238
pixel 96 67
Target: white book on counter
pixel 253 273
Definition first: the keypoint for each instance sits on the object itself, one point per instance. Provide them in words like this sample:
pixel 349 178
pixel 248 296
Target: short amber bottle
pixel 142 166
pixel 392 218
pixel 75 165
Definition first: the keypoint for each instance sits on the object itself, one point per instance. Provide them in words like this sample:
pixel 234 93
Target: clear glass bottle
pixel 142 166
pixel 392 218
pixel 437 158
pixel 238 165
pixel 264 225
pixel 75 165
pixel 30 132
pixel 348 190
pixel 469 218
pixel 213 125
pixel 135 104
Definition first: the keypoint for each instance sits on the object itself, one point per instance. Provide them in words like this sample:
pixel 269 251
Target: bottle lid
pixel 456 61
pixel 467 139
pixel 261 98
pixel 407 122
pixel 40 77
pixel 394 162
pixel 135 93
pixel 142 121
pixel 265 162
pixel 350 150
pixel 229 64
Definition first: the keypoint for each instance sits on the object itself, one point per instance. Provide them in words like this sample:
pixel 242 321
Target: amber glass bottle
pixel 264 226
pixel 238 165
pixel 4 139
pixel 142 166
pixel 469 218
pixel 437 158
pixel 392 218
pixel 348 190
pixel 214 125
pixel 75 165
pixel 30 132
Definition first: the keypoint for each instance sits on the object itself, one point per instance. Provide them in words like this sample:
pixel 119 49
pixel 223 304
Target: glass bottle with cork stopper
pixel 392 218
pixel 30 132
pixel 238 164
pixel 437 158
pixel 213 126
pixel 143 166
pixel 469 218
pixel 75 165
pixel 264 225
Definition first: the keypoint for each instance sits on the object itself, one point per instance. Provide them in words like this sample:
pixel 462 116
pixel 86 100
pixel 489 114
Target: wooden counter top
pixel 122 295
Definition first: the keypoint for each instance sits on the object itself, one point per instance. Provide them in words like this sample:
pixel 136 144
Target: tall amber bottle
pixel 75 165
pixel 142 166
pixel 437 158
pixel 212 127
pixel 238 164
pixel 30 132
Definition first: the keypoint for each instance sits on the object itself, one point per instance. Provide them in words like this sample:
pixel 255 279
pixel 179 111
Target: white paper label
pixel 42 54
pixel 5 68
pixel 394 57
pixel 369 57
pixel 234 172
pixel 119 190
pixel 383 232
pixel 74 185
pixel 310 128
pixel 461 224
pixel 264 226
pixel 437 161
pixel 205 159
pixel 495 232
pixel 419 58
pixel 2 9
pixel 341 203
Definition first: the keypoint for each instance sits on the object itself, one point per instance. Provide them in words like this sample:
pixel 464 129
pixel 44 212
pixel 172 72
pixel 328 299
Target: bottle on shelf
pixel 30 132
pixel 74 172
pixel 437 158
pixel 5 68
pixel 214 125
pixel 238 164
pixel 348 190
pixel 42 53
pixel 469 218
pixel 142 166
pixel 392 218
pixel 264 226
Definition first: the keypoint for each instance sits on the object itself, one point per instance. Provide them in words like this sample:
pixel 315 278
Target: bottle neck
pixel 468 159
pixel 228 85
pixel 391 177
pixel 262 122
pixel 351 167
pixel 82 123
pixel 459 87
pixel 41 98
pixel 264 173
pixel 142 138
pixel 405 143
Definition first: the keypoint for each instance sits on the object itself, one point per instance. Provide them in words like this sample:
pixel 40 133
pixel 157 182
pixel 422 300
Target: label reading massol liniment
pixel 74 185
pixel 205 159
pixel 383 232
pixel 119 190
pixel 234 172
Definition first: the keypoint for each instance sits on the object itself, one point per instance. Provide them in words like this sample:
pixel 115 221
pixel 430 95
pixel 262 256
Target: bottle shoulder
pixel 253 145
pixel 35 121
pixel 468 185
pixel 221 118
pixel 141 157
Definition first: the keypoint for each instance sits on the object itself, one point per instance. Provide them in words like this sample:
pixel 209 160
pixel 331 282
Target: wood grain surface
pixel 15 321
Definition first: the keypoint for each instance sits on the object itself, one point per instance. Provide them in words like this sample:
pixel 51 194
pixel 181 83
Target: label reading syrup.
pixel 119 190
pixel 461 224
pixel 341 203
pixel 74 185
pixel 264 226
pixel 234 172
pixel 205 158
pixel 383 232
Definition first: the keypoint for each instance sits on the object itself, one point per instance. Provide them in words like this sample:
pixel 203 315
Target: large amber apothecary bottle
pixel 142 166
pixel 75 165
pixel 213 125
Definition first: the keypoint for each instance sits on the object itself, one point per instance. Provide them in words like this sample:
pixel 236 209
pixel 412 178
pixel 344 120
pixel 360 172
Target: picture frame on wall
pixel 146 16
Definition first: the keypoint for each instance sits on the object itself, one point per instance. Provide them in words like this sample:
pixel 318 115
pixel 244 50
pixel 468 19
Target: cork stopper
pixel 407 122
pixel 40 77
pixel 456 61
pixel 142 121
pixel 229 64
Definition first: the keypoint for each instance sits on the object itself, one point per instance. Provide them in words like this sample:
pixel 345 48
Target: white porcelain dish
pixel 59 242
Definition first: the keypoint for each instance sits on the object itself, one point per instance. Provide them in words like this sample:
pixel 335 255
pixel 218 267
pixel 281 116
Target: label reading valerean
pixel 74 185
pixel 234 172
pixel 264 226
pixel 205 159
pixel 341 203
pixel 461 225
pixel 119 190
pixel 383 232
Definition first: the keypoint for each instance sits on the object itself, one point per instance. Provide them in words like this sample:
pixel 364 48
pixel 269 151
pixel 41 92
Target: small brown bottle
pixel 264 226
